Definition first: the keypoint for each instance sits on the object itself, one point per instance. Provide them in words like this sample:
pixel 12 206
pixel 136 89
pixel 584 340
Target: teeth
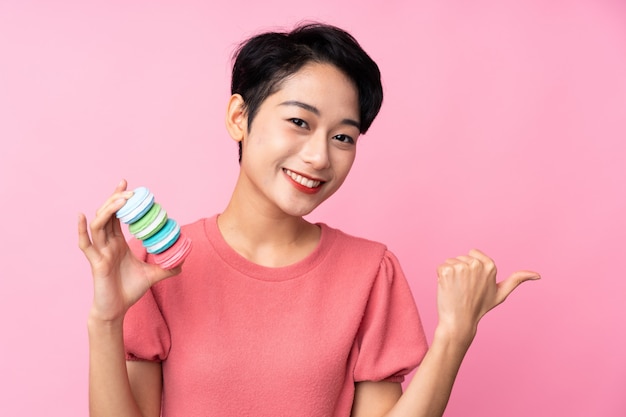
pixel 307 182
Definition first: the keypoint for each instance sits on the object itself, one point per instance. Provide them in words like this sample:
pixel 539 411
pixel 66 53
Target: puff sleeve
pixel 390 340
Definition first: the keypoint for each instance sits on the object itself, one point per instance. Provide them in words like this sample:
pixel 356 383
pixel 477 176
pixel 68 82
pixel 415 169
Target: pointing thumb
pixel 507 286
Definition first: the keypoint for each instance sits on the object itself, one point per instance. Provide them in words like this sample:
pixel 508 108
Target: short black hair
pixel 263 61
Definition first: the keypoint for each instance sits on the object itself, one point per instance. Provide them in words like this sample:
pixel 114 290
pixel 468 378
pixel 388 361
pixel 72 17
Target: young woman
pixel 271 315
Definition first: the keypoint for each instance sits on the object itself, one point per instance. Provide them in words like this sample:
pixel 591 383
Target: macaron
pixel 160 235
pixel 164 238
pixel 136 206
pixel 150 223
pixel 175 254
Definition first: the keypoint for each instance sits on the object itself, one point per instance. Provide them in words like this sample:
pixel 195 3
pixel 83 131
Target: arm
pixel 374 399
pixel 146 383
pixel 117 387
pixel 467 291
pixel 120 279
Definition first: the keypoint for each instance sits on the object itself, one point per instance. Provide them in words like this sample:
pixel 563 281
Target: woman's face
pixel 302 142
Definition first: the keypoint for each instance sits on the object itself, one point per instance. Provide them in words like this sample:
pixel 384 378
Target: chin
pixel 301 210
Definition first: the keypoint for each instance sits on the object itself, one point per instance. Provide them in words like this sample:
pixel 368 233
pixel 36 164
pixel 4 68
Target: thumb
pixel 507 286
pixel 159 274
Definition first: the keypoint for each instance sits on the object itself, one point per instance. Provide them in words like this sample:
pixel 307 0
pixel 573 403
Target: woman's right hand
pixel 119 278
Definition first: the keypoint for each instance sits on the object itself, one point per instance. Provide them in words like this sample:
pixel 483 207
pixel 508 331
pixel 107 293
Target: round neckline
pixel 266 273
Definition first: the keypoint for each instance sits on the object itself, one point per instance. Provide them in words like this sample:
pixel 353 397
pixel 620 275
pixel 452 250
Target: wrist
pixel 458 335
pixel 98 320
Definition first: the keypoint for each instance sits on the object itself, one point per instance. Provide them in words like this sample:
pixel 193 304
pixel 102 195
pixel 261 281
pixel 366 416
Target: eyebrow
pixel 316 111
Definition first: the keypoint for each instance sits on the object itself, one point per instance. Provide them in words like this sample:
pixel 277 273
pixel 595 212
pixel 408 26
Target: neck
pixel 266 237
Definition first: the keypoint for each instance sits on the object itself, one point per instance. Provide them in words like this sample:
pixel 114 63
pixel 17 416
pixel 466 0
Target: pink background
pixel 503 128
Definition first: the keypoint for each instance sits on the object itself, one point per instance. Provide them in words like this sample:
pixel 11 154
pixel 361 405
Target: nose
pixel 315 152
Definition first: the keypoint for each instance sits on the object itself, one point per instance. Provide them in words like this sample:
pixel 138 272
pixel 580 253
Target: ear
pixel 236 118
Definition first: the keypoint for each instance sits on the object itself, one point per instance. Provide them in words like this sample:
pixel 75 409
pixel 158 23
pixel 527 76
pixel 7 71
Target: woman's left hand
pixel 468 290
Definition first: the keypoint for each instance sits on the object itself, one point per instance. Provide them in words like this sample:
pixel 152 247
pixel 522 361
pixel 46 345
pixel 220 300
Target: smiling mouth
pixel 304 181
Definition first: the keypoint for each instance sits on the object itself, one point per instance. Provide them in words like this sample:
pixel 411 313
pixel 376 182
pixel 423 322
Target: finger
pixel 84 242
pixel 117 228
pixel 121 186
pixel 487 263
pixel 444 271
pixel 119 192
pixel 102 225
pixel 475 253
pixel 112 227
pixel 469 260
pixel 507 286
pixel 107 211
pixel 454 267
pixel 120 189
pixel 113 198
pixel 83 237
pixel 177 270
pixel 162 274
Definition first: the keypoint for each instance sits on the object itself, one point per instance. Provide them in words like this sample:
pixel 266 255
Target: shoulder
pixel 349 239
pixel 350 246
pixel 365 254
pixel 197 227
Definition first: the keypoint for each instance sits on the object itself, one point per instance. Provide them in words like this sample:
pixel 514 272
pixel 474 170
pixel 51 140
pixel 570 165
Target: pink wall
pixel 503 128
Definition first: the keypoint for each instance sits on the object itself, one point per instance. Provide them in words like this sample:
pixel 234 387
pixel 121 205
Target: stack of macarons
pixel 160 235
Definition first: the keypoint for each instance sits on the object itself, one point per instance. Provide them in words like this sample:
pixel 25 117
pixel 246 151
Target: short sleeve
pixel 146 335
pixel 391 340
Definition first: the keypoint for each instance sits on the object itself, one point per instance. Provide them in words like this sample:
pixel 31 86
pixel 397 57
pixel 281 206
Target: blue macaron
pixel 136 206
pixel 164 238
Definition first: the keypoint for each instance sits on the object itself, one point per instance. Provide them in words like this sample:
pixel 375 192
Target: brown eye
pixel 299 122
pixel 344 138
